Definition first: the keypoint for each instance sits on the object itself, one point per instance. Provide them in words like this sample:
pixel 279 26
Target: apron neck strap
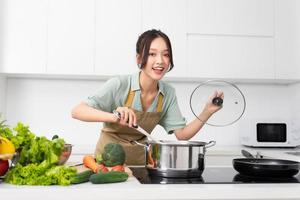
pixel 130 97
pixel 159 103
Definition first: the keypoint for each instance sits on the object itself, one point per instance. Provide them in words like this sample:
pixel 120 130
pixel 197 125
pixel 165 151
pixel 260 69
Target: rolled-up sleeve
pixel 104 99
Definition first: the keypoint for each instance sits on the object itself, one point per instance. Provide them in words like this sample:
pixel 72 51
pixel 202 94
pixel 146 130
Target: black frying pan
pixel 266 167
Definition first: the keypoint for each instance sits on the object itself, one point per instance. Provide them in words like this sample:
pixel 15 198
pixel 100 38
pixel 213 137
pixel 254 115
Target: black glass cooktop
pixel 211 175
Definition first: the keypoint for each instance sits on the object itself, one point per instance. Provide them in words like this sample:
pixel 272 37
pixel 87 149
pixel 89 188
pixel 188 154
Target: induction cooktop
pixel 211 175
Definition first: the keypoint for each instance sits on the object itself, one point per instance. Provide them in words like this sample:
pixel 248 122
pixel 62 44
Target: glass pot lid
pixel 233 104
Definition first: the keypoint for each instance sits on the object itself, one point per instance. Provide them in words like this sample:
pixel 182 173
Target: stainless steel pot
pixel 184 159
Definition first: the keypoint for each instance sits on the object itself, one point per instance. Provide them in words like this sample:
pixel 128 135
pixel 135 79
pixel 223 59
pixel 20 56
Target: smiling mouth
pixel 158 68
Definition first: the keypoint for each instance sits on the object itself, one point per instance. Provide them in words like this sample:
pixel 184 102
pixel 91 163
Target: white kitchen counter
pixel 132 189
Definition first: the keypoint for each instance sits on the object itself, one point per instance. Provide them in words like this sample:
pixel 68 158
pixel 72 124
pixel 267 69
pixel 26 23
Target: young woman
pixel 141 99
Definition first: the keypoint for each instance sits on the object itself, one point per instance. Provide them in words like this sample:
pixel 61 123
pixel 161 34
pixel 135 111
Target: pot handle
pixel 140 144
pixel 210 144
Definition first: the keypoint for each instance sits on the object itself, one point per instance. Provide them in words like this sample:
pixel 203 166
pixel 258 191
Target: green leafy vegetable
pixel 40 174
pixel 99 158
pixel 5 130
pixel 32 149
pixel 38 158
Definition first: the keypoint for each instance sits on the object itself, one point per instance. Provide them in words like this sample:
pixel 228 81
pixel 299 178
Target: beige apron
pixel 115 133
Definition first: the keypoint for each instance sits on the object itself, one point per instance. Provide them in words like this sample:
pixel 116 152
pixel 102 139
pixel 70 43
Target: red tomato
pixel 119 168
pixel 66 154
pixel 3 167
pixel 102 168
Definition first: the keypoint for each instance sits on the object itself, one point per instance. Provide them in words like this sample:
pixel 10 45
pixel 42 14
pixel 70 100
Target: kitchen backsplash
pixel 45 105
pixel 294 91
pixel 2 92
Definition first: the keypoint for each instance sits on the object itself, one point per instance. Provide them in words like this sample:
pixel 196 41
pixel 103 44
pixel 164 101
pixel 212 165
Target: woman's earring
pixel 139 66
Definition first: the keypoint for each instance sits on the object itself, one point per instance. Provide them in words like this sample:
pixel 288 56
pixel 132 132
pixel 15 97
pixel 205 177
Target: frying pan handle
pixel 247 154
pixel 210 144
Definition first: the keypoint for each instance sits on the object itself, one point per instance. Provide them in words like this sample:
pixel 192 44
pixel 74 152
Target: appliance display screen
pixel 271 132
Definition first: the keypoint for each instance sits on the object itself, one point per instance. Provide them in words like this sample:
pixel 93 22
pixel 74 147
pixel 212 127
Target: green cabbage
pixel 113 155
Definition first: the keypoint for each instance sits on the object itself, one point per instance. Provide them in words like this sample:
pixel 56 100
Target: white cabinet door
pixel 169 17
pixel 71 36
pixel 230 39
pixel 118 25
pixel 230 17
pixel 23 36
pixel 230 57
pixel 287 39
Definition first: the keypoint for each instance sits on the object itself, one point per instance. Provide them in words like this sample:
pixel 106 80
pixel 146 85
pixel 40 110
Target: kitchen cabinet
pixel 118 25
pixel 287 39
pixel 234 39
pixel 70 37
pixel 230 57
pixel 230 39
pixel 169 17
pixel 230 17
pixel 23 30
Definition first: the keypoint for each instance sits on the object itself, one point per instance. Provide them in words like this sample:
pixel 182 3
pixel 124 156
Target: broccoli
pixel 113 155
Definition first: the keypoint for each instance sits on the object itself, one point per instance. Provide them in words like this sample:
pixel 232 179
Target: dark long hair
pixel 144 42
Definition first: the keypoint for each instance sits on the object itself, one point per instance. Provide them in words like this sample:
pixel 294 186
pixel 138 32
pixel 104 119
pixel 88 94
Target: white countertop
pixel 132 189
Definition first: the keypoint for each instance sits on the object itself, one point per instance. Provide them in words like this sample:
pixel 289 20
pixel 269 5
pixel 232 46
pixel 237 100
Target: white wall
pixel 294 101
pixel 295 107
pixel 45 105
pixel 2 94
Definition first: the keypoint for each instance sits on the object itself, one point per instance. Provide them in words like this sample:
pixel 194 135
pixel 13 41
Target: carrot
pixel 150 159
pixel 90 162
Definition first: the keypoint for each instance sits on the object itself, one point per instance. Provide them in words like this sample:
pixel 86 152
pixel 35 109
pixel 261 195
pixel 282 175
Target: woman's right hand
pixel 127 117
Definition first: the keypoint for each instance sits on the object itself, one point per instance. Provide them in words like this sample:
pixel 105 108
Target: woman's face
pixel 158 60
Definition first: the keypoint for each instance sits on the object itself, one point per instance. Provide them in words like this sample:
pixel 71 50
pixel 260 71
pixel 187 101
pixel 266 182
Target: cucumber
pixel 82 177
pixel 109 177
